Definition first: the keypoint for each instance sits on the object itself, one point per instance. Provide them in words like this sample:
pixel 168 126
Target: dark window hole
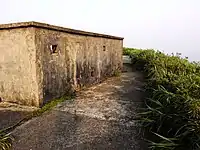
pixel 104 48
pixel 92 73
pixel 54 49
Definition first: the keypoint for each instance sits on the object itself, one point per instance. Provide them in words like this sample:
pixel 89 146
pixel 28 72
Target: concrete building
pixel 39 62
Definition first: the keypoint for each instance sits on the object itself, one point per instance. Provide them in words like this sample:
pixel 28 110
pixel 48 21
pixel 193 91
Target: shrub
pixel 172 109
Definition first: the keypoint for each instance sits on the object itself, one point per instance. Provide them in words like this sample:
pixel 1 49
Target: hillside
pixel 171 114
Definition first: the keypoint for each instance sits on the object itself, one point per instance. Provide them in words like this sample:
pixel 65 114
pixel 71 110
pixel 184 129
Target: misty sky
pixel 167 25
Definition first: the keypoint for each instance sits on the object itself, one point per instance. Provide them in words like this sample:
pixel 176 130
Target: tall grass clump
pixel 172 104
pixel 5 140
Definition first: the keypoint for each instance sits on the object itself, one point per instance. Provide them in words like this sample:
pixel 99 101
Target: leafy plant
pixel 5 140
pixel 172 105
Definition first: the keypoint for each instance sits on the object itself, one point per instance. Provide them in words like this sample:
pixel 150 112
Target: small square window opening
pixel 54 49
pixel 104 48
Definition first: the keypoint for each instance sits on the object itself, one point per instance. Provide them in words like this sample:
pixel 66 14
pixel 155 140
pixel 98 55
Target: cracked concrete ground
pixel 11 113
pixel 99 118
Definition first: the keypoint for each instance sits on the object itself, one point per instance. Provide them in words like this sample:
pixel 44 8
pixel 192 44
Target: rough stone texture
pixel 17 66
pixel 31 75
pixel 100 117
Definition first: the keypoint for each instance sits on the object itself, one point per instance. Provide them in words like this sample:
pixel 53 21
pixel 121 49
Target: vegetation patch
pixel 49 106
pixel 5 140
pixel 172 104
pixel 116 73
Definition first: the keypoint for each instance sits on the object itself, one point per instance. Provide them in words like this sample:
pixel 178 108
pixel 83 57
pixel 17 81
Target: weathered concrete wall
pixel 80 60
pixel 30 74
pixel 17 66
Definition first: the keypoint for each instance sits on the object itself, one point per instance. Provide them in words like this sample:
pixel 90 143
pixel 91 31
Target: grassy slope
pixel 173 99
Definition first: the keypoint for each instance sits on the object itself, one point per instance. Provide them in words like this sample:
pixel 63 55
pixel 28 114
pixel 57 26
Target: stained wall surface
pixel 80 60
pixel 30 74
pixel 18 82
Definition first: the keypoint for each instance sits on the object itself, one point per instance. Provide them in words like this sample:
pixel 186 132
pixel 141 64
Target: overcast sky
pixel 167 25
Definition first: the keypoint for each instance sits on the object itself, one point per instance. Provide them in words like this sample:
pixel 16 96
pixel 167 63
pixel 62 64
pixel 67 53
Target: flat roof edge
pixel 56 28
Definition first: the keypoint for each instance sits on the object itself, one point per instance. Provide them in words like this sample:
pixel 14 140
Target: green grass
pixel 116 73
pixel 6 139
pixel 131 51
pixel 172 105
pixel 50 105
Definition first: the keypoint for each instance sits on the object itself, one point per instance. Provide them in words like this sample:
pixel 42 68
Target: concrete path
pixel 10 114
pixel 99 118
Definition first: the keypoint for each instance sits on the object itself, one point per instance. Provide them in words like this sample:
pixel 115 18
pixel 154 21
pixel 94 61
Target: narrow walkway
pixel 99 118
